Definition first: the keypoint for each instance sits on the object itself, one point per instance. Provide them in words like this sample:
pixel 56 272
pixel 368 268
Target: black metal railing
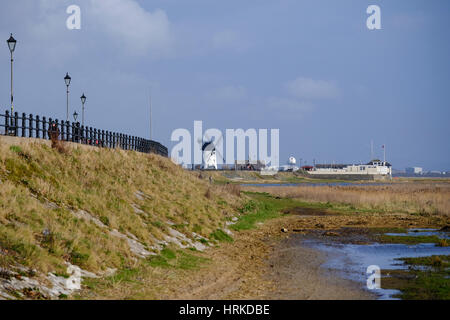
pixel 42 128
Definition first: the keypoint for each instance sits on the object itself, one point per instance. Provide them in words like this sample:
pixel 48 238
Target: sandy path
pixel 266 264
pixel 298 274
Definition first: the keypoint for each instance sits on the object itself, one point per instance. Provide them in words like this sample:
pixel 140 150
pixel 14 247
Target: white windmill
pixel 292 161
pixel 209 153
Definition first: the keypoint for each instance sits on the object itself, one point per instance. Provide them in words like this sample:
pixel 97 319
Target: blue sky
pixel 309 68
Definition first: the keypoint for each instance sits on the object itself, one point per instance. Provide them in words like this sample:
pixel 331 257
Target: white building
pixel 414 170
pixel 290 166
pixel 374 167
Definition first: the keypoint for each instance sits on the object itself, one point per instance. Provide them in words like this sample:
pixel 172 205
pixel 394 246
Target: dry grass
pixel 233 189
pixel 59 145
pixel 415 198
pixel 104 183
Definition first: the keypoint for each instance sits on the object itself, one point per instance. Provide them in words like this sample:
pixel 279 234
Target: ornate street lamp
pixel 12 46
pixel 83 101
pixel 75 116
pixel 67 80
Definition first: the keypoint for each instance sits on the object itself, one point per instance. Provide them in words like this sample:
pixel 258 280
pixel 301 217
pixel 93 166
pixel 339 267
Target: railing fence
pixel 35 127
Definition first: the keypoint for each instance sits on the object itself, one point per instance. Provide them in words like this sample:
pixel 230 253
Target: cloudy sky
pixel 309 68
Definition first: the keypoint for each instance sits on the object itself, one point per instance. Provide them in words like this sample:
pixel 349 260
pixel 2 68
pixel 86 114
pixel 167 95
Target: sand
pixel 267 263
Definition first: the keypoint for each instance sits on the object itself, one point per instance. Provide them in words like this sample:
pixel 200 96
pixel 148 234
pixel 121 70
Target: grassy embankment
pixel 138 195
pixel 141 196
pixel 160 276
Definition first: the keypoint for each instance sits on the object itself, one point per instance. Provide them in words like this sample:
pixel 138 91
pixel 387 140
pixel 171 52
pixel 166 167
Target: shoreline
pixel 265 264
pixel 299 272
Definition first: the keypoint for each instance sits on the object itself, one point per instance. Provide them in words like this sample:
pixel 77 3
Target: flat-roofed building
pixel 374 167
pixel 414 170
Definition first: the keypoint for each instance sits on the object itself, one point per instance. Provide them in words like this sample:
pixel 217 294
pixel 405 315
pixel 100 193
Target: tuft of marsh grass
pixel 220 235
pixel 410 239
pixel 176 259
pixel 438 261
pixel 419 283
pixel 263 207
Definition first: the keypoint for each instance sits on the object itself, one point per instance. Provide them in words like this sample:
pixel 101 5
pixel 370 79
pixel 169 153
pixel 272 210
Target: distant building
pixel 414 170
pixel 374 167
pixel 290 166
pixel 246 165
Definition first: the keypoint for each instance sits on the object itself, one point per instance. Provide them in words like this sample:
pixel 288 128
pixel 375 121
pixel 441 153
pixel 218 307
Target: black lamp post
pixel 75 116
pixel 67 79
pixel 83 101
pixel 12 46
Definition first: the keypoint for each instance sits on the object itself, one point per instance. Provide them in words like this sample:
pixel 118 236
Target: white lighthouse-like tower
pixel 209 156
pixel 292 161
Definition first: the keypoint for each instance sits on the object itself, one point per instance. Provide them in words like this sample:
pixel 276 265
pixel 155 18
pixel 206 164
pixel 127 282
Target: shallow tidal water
pixel 314 184
pixel 351 260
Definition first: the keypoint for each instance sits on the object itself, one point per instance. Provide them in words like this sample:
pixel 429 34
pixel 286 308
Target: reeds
pixel 417 198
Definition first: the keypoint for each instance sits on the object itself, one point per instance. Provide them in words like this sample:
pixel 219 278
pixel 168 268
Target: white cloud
pixel 119 27
pixel 227 93
pixel 45 29
pixel 310 89
pixel 131 27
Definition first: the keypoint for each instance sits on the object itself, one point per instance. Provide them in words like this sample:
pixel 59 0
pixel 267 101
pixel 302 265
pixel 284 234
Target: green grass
pixel 410 239
pixel 381 230
pixel 262 207
pixel 417 283
pixel 125 275
pixel 176 259
pixel 167 259
pixel 436 261
pixel 265 206
pixel 128 275
pixel 15 149
pixel 220 235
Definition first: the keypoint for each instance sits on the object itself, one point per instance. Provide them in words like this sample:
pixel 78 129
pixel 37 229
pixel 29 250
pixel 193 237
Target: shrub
pixel 233 189
pixel 104 220
pixel 59 145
